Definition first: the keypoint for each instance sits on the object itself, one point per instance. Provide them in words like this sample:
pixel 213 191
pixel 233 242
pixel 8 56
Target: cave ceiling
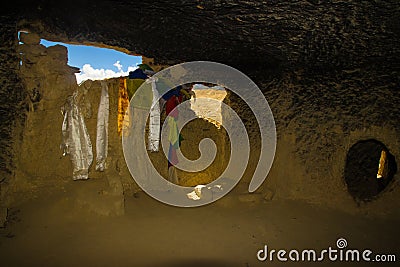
pixel 314 34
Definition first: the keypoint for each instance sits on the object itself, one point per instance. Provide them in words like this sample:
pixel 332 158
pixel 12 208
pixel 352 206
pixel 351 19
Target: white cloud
pixel 131 68
pixel 88 72
pixel 118 65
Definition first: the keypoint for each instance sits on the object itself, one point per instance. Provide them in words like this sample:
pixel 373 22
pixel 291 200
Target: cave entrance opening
pixel 369 169
pixel 94 61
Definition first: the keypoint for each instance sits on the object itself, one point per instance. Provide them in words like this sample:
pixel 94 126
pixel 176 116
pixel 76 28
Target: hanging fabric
pixel 172 99
pixel 154 123
pixel 173 134
pixel 173 138
pixel 76 139
pixel 135 80
pixel 123 103
pixel 102 128
pixel 132 85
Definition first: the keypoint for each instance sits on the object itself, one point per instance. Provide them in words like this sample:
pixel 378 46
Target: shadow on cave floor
pixel 52 231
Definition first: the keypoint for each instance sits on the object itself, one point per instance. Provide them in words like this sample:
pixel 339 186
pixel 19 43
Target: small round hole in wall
pixel 369 169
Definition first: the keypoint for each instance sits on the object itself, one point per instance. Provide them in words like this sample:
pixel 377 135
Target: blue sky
pixel 98 63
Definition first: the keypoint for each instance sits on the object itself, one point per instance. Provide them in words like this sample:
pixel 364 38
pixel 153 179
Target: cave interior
pixel 329 71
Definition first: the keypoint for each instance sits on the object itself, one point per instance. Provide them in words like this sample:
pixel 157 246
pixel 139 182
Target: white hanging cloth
pixel 102 128
pixel 154 123
pixel 76 139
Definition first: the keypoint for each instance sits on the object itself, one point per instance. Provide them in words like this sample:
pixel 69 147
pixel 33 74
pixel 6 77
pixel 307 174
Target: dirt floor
pixel 53 230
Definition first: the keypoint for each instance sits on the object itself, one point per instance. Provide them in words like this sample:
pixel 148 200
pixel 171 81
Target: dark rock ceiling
pixel 318 35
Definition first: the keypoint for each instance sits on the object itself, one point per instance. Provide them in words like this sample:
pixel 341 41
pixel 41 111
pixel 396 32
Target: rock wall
pixel 47 81
pixel 329 69
pixel 318 119
pixel 12 108
pixel 40 165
